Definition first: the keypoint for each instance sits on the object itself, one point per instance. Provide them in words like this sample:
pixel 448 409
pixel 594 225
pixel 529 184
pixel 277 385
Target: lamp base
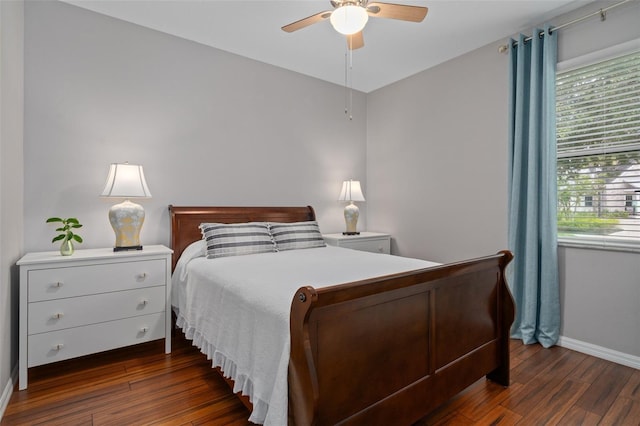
pixel 127 248
pixel 126 220
pixel 351 213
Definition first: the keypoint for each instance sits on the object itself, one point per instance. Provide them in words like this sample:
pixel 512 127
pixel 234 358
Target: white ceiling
pixel 393 49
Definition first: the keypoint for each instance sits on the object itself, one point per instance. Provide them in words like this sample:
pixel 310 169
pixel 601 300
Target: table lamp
pixel 126 181
pixel 351 191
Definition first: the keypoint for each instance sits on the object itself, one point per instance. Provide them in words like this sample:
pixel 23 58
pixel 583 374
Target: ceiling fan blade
pixel 397 11
pixel 305 22
pixel 355 41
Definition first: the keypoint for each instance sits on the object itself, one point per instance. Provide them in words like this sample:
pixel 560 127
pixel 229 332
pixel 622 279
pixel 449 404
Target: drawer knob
pixel 57 315
pixel 57 284
pixel 144 329
pixel 58 347
pixel 142 276
pixel 144 302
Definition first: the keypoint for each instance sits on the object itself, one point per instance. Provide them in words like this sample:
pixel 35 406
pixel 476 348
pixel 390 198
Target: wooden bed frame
pixel 387 350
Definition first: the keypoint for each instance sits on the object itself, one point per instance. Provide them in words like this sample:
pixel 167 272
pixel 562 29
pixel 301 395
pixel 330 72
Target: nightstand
pixel 367 241
pixel 92 301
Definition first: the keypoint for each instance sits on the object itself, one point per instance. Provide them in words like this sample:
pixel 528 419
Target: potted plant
pixel 66 234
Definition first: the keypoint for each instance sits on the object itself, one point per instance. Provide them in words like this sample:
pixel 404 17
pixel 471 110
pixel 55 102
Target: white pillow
pixel 193 251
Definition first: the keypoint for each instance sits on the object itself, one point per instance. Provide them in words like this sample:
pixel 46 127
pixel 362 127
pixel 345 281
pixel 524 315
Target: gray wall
pixel 436 159
pixel 600 292
pixel 11 171
pixel 210 128
pixel 437 176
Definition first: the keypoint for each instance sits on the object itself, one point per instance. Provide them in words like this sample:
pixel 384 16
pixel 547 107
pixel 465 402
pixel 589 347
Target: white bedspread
pixel 236 310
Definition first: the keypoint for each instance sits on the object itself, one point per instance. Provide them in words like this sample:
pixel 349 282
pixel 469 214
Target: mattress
pixel 236 310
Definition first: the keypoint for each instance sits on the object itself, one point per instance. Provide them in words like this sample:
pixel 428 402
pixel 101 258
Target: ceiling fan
pixel 350 16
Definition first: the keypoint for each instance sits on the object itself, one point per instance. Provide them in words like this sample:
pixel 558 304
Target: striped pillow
pixel 236 239
pixel 297 235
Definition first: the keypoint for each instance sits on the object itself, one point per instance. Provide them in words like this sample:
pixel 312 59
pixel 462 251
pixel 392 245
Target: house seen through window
pixel 598 145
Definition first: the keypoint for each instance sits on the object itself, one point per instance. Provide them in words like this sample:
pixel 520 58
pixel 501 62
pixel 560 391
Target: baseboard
pixel 600 352
pixel 8 390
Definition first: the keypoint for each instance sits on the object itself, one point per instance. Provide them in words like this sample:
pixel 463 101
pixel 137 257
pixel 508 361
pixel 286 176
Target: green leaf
pixel 65 229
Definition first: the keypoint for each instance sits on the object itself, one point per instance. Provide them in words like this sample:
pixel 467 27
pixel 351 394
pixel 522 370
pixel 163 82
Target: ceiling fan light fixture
pixel 349 19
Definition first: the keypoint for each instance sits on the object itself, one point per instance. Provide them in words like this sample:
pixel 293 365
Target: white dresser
pixel 366 241
pixel 92 301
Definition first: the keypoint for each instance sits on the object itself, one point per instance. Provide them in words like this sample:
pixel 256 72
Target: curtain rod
pixel 603 16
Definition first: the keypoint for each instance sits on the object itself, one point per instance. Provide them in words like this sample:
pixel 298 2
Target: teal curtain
pixel 532 188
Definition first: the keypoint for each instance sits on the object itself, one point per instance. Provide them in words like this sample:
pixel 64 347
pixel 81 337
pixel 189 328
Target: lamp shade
pixel 126 181
pixel 351 191
pixel 349 19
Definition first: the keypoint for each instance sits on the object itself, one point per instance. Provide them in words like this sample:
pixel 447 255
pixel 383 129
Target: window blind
pixel 598 148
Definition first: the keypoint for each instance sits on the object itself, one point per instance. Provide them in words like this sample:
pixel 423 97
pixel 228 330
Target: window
pixel 598 141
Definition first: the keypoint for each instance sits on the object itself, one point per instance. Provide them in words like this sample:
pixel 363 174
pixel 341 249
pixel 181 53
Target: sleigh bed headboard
pixel 185 221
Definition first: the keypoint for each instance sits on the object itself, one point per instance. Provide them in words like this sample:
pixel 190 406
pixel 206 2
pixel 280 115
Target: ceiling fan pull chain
pixel 350 84
pixel 348 79
pixel 346 103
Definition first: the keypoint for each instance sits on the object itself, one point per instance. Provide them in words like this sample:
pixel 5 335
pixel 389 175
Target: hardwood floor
pixel 554 386
pixel 143 386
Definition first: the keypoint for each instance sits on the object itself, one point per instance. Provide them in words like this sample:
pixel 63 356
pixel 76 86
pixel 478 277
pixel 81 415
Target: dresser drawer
pixel 372 245
pixel 72 281
pixel 59 314
pixel 366 241
pixel 64 344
